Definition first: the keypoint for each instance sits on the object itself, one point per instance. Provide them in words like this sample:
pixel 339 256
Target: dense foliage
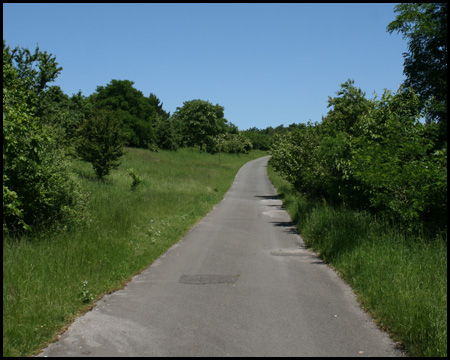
pixel 199 121
pixel 42 127
pixel 135 112
pixel 425 66
pixel 37 186
pixel 379 154
pixel 371 154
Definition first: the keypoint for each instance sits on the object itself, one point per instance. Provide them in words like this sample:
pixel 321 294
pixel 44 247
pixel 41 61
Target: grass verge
pixel 400 279
pixel 50 279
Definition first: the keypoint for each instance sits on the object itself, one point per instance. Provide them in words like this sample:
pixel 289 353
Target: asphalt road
pixel 240 283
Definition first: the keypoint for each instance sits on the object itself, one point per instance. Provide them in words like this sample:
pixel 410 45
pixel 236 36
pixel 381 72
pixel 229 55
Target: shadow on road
pixel 288 226
pixel 268 197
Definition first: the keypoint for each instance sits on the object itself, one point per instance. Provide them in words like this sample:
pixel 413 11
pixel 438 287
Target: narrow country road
pixel 240 283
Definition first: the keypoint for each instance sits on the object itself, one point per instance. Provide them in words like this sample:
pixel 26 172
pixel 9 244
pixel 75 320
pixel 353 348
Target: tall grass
pixel 399 278
pixel 50 279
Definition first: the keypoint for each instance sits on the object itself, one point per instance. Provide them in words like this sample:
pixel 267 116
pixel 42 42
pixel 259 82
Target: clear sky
pixel 266 64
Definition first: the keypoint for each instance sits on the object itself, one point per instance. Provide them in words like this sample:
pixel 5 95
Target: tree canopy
pixel 425 65
pixel 134 110
pixel 199 121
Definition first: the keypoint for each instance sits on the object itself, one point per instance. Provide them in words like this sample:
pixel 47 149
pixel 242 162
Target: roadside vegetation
pixel 400 278
pixel 367 187
pixel 50 277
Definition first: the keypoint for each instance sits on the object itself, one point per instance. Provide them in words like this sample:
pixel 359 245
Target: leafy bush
pixel 137 180
pixel 259 140
pixel 37 186
pixel 294 155
pixel 229 143
pixel 403 177
pixel 371 154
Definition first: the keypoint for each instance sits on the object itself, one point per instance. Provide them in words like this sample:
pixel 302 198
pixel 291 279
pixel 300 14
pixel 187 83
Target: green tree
pixel 425 65
pixel 336 131
pixel 134 110
pixel 199 121
pixel 165 133
pixel 258 139
pixel 38 189
pixel 401 174
pixel 63 114
pixel 51 107
pixel 35 71
pixel 346 108
pixel 158 106
pixel 101 142
pixel 294 156
pixel 230 143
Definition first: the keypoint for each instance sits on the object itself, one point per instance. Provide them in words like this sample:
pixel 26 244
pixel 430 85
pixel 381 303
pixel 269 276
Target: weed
pixel 85 295
pixel 135 177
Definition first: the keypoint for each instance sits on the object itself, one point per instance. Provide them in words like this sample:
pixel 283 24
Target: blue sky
pixel 267 64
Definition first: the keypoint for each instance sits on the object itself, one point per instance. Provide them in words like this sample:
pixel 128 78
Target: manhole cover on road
pixel 208 279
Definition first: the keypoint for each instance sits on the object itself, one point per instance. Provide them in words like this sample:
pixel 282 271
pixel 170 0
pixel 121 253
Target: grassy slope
pixel 48 281
pixel 401 280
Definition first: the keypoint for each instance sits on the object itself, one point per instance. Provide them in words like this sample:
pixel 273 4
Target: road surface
pixel 240 283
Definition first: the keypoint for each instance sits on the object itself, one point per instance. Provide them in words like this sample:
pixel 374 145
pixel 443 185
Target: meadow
pixel 51 278
pixel 400 278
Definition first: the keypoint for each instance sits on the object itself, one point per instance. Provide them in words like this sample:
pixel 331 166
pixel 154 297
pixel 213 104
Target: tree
pixel 294 155
pixel 258 139
pixel 63 114
pixel 38 189
pixel 425 65
pixel 165 133
pixel 134 110
pixel 157 105
pixel 101 142
pixel 337 129
pixel 35 71
pixel 402 176
pixel 199 121
pixel 347 107
pixel 49 105
pixel 230 143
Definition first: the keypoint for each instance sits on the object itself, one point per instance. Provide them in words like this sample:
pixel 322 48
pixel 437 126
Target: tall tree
pixel 425 65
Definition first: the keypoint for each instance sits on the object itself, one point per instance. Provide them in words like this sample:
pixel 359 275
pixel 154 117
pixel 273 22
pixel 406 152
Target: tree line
pixel 368 153
pixel 43 128
pixel 386 155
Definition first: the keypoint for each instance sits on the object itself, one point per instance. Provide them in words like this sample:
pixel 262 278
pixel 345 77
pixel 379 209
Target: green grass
pixel 50 279
pixel 400 279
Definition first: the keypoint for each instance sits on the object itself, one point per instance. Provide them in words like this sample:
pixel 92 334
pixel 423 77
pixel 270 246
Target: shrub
pixel 135 177
pixel 37 185
pixel 402 174
pixel 101 142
